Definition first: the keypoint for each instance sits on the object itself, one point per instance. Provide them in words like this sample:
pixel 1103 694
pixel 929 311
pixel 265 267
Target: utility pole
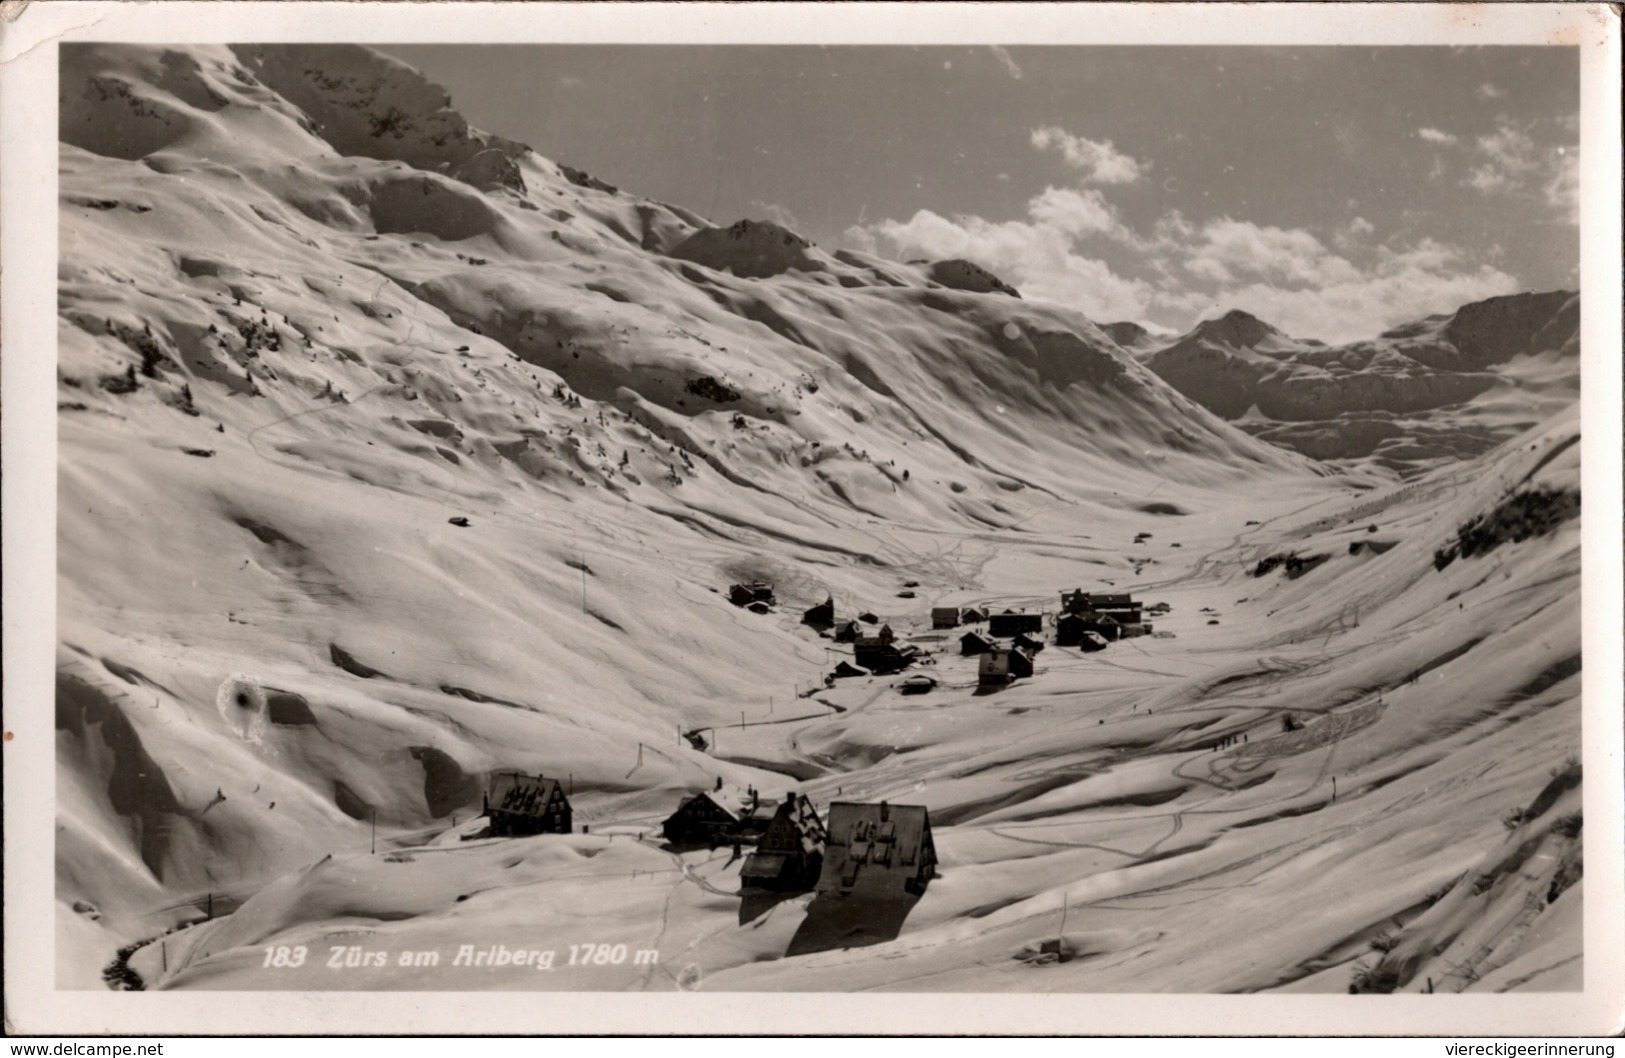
pixel 208 913
pixel 374 850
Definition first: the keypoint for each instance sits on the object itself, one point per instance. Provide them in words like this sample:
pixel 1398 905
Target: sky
pixel 1332 191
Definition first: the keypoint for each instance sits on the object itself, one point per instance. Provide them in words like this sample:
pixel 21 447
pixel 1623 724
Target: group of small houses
pixel 869 850
pixel 1087 620
pixel 865 850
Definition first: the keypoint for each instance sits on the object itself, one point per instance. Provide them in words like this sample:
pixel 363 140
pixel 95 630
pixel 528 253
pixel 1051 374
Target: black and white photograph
pixel 1012 514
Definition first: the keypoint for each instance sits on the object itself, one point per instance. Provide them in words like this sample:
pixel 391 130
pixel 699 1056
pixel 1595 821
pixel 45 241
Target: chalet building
pixel 1090 642
pixel 1027 643
pixel 755 591
pixel 877 851
pixel 970 643
pixel 919 684
pixel 1002 666
pixel 721 816
pixel 881 656
pixel 1012 624
pixel 849 632
pixel 1103 625
pixel 944 617
pixel 520 805
pixel 1069 630
pixel 790 853
pixel 820 616
pixel 1120 606
pixel 1084 631
pixel 973 616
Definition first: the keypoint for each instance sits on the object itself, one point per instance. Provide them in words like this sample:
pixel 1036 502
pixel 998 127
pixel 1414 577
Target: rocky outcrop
pixel 750 249
pixel 957 274
pixel 369 105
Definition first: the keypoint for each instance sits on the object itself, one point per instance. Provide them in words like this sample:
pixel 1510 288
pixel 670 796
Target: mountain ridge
pixel 1433 390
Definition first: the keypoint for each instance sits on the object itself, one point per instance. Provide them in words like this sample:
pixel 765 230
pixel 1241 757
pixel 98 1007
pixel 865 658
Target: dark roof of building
pixel 856 825
pixel 804 816
pixel 762 865
pixel 514 791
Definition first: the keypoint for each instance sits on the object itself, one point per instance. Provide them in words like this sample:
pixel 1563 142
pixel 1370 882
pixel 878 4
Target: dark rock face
pixel 366 104
pixel 1494 331
pixel 957 274
pixel 751 249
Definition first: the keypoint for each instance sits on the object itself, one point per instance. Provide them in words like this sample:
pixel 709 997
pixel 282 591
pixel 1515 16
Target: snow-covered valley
pixel 393 454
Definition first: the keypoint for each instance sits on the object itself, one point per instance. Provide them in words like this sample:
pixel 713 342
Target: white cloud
pixel 1511 163
pixel 1508 158
pixel 1232 251
pixel 1489 91
pixel 1436 136
pixel 1178 271
pixel 1398 290
pixel 1098 162
pixel 1009 64
pixel 1562 189
pixel 1038 256
pixel 1488 179
pixel 1076 213
pixel 1351 235
pixel 778 214
pixel 1508 150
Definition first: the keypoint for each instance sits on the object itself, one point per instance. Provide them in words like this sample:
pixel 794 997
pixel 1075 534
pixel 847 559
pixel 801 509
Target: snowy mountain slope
pixel 1417 825
pixel 1443 388
pixel 311 324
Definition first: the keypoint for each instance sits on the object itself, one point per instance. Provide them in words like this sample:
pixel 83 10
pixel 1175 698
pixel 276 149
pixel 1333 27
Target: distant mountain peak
pixel 1238 328
pixel 1126 331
